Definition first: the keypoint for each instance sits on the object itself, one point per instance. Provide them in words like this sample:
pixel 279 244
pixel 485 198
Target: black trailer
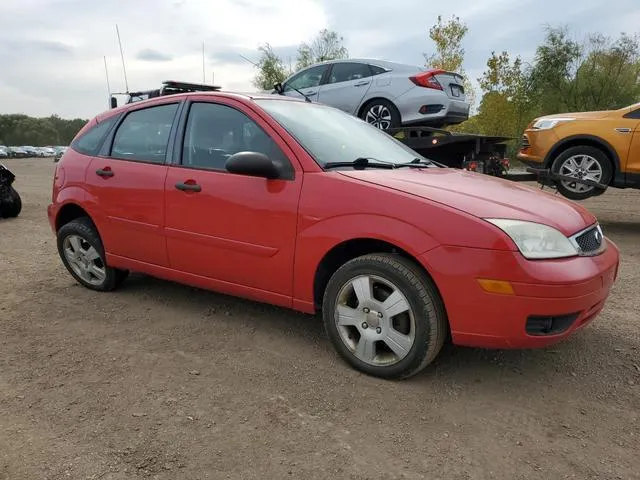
pixel 479 153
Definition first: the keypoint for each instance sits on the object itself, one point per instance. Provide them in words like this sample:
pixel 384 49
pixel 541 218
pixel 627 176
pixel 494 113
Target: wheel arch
pixel 347 250
pixel 367 102
pixel 69 212
pixel 586 140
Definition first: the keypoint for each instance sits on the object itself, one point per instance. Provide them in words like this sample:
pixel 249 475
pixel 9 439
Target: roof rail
pixel 169 87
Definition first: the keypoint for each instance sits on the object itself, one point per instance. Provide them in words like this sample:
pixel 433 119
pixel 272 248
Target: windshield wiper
pixel 361 163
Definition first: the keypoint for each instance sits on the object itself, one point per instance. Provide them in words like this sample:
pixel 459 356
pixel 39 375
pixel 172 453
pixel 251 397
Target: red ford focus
pixel 301 205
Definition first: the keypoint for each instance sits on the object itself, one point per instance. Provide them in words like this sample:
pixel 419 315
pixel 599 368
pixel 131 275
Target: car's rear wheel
pixel 586 163
pixel 82 253
pixel 381 114
pixel 384 316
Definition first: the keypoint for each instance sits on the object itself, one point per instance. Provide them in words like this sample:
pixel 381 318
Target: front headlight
pixel 547 123
pixel 534 240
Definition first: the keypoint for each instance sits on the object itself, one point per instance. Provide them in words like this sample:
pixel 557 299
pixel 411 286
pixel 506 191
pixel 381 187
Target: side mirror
pixel 254 164
pixel 278 88
pixel 114 102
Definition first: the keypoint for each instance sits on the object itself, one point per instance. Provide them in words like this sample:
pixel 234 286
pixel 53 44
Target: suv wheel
pixel 583 162
pixel 384 316
pixel 82 253
pixel 381 114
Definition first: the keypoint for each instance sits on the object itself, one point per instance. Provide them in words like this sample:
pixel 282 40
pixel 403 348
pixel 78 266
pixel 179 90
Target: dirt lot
pixel 162 381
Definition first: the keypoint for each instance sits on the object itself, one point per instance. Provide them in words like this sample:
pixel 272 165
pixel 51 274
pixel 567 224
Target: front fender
pixel 317 237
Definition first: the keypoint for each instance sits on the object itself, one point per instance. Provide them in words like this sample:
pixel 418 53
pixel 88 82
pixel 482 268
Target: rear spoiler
pixel 440 71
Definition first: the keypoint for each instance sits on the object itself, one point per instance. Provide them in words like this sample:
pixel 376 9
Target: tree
pixel 449 53
pixel 598 73
pixel 327 45
pixel 271 69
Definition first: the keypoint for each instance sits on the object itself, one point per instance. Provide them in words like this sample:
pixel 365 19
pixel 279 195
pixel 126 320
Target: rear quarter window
pixel 90 142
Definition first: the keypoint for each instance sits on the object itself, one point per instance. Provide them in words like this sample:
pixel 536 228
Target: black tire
pixel 431 326
pixel 598 155
pixel 11 206
pixel 384 104
pixel 83 227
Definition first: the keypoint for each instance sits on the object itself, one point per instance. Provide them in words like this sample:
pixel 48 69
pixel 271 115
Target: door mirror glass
pixel 254 164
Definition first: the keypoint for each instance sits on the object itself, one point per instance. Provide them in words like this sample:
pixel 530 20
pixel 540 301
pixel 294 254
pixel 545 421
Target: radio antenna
pixel 106 71
pixel 203 74
pixel 124 69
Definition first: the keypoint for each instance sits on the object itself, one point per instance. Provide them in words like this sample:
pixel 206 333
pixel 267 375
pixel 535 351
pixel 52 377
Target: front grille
pixel 524 143
pixel 591 240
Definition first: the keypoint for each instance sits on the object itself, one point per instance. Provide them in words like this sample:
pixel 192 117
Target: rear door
pixel 347 84
pixel 125 183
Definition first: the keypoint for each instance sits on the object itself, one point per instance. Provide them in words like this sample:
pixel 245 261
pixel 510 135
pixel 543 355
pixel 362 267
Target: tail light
pixel 473 167
pixel 427 79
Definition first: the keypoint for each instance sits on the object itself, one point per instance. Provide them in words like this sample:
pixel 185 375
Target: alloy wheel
pixel 375 320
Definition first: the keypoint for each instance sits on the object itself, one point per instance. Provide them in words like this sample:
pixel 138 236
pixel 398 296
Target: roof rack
pixel 169 87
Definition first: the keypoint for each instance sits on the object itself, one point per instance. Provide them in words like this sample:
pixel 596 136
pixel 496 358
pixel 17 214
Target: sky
pixel 52 52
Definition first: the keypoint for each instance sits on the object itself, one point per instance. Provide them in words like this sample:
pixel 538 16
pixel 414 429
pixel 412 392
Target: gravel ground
pixel 163 381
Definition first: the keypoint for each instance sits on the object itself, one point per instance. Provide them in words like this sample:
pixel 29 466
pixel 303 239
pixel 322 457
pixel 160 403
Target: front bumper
pixel 575 288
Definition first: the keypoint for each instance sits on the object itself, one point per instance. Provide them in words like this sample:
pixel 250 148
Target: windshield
pixel 330 135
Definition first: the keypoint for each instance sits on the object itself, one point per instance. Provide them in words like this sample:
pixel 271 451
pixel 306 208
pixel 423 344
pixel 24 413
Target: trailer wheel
pixel 582 162
pixel 381 114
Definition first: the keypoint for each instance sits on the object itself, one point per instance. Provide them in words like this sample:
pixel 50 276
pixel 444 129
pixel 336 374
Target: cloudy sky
pixel 51 51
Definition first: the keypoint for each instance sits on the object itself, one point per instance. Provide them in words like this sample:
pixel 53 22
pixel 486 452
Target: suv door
pixel 236 230
pixel 347 84
pixel 125 183
pixel 308 81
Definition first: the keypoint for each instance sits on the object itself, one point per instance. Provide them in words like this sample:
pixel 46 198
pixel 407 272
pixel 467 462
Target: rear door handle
pixel 104 172
pixel 188 187
pixel 360 84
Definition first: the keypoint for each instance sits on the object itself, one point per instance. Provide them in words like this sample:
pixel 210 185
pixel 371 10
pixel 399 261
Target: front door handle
pixel 188 187
pixel 104 172
pixel 311 92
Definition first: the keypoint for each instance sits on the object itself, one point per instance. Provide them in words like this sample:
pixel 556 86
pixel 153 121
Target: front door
pixel 347 84
pixel 126 185
pixel 232 228
pixel 306 82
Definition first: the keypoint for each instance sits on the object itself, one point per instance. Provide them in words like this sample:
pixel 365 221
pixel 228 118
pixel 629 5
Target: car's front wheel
pixel 384 315
pixel 583 163
pixel 82 253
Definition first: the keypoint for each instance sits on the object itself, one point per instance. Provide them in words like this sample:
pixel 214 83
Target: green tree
pixel 449 52
pixel 598 73
pixel 326 45
pixel 271 69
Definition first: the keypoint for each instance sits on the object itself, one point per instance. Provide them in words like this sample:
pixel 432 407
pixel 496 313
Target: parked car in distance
pixel 46 152
pixel 17 152
pixel 4 153
pixel 303 206
pixel 603 147
pixel 385 94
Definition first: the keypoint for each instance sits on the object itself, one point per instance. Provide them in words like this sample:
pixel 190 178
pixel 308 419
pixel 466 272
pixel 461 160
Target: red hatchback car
pixel 303 206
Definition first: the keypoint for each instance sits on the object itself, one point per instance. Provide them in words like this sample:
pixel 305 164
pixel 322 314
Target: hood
pixel 482 196
pixel 577 115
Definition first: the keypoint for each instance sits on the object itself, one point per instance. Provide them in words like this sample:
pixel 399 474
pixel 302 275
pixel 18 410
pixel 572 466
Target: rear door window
pixel 143 135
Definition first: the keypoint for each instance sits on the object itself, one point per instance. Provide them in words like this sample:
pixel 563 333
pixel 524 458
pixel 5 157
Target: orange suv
pixel 586 152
